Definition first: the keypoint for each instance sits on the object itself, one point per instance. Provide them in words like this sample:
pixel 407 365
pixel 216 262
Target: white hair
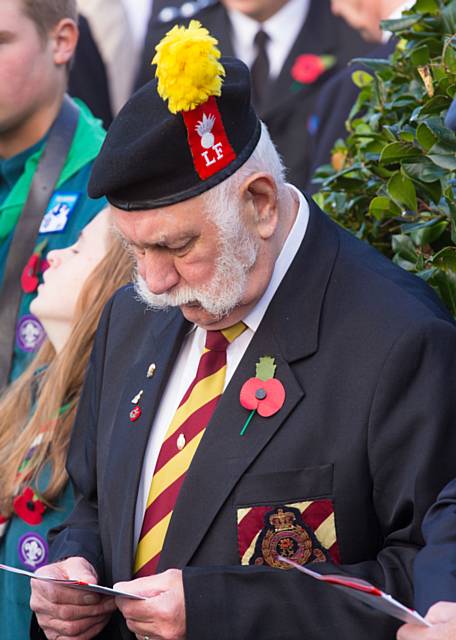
pixel 265 159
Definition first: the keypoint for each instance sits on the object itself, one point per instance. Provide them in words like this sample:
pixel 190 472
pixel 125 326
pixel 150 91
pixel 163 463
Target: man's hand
pixel 65 613
pixel 443 618
pixel 162 615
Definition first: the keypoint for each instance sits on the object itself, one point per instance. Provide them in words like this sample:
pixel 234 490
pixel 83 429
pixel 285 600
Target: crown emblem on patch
pixel 204 129
pixel 282 520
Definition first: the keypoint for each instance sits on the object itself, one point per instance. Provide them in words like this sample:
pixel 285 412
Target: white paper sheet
pixel 366 592
pixel 74 584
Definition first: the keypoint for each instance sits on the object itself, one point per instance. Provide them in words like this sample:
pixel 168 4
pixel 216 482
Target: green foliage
pixel 392 182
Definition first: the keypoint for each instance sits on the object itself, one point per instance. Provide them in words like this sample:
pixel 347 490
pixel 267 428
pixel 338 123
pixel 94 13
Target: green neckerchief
pixel 87 141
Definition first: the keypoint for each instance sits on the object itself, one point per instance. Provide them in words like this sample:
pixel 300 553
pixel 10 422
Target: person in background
pixel 47 147
pixel 110 25
pixel 88 78
pixel 292 48
pixel 37 411
pixel 333 106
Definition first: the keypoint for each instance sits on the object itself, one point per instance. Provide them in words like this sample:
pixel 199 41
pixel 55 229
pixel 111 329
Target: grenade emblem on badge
pixel 204 128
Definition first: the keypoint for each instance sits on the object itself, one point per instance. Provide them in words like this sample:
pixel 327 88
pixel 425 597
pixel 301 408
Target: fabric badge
pixel 30 333
pixel 209 145
pixel 32 550
pixel 59 210
pixel 304 532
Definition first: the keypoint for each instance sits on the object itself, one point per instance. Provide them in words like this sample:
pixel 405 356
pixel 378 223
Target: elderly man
pixel 282 396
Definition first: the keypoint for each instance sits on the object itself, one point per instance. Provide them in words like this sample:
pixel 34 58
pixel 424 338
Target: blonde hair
pixel 57 385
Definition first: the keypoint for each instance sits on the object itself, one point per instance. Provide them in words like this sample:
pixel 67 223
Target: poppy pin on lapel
pixel 135 413
pixel 263 394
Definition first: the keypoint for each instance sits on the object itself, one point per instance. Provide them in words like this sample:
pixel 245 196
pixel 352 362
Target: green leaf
pixel 437 104
pixel 381 207
pixel 449 58
pixel 403 246
pixel 402 24
pixel 449 18
pixel 398 151
pixel 446 137
pixel 446 259
pixel 420 56
pixel 426 6
pixel 444 161
pixel 445 284
pixel 425 136
pixel 428 232
pixel 265 368
pixel 376 64
pixel 404 264
pixel 401 189
pixel 362 79
pixel 424 170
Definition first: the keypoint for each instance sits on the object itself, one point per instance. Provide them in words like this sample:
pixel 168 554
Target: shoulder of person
pixel 181 12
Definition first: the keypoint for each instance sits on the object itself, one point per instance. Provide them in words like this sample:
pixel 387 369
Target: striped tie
pixel 180 444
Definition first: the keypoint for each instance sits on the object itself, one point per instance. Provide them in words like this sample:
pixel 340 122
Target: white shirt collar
pixel 282 28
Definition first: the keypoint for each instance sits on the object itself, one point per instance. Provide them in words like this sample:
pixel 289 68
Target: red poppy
pixel 265 396
pixel 307 68
pixel 29 277
pixel 28 507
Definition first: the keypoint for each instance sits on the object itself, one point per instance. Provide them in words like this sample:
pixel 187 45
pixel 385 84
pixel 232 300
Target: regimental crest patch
pixel 304 532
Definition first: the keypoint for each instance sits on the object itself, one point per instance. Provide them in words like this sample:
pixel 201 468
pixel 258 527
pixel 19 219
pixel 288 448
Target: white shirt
pixel 386 35
pixel 112 33
pixel 138 14
pixel 187 361
pixel 282 28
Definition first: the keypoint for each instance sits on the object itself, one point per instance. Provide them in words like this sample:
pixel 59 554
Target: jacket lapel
pixel 222 27
pixel 316 38
pixel 129 439
pixel 289 331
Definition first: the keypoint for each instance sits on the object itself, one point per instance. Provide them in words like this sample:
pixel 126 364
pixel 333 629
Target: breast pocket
pixel 288 514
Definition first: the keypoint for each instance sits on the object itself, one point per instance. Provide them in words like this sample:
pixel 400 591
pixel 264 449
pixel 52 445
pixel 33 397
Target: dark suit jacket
pixel 289 104
pixel 365 353
pixel 435 565
pixel 88 80
pixel 332 109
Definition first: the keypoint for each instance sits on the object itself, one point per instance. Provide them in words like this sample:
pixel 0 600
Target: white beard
pixel 238 253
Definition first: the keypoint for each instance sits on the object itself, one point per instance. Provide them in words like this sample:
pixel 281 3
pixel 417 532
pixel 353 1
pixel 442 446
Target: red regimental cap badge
pixel 207 139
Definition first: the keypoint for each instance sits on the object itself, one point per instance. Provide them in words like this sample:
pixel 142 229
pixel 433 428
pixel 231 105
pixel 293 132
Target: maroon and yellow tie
pixel 180 444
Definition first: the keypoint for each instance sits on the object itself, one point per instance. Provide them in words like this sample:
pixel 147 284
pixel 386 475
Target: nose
pixel 159 272
pixel 53 257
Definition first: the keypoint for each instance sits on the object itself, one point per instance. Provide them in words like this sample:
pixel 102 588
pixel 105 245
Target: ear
pixel 259 194
pixel 64 38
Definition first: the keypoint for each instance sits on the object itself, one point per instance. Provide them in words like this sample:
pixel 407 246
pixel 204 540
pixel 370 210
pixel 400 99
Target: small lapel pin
pixel 181 442
pixel 137 397
pixel 151 370
pixel 135 414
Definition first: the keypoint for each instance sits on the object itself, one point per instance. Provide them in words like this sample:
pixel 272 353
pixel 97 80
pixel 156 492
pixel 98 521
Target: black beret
pixel 153 158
